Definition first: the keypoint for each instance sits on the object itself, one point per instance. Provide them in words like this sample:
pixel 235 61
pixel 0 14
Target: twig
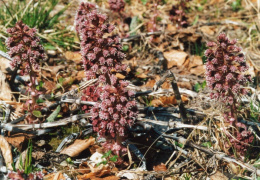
pixel 174 125
pixel 219 155
pixel 63 122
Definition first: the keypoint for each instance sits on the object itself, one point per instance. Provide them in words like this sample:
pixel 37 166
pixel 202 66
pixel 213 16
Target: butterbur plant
pixel 114 110
pixel 178 15
pixel 225 68
pixel 26 51
pixel 116 5
pixel 225 76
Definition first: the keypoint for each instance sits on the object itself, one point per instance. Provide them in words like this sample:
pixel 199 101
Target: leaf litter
pixel 163 144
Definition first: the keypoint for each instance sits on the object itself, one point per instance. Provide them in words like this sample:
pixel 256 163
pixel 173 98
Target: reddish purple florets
pixel 101 57
pixel 24 47
pixel 241 140
pixel 115 111
pixel 224 75
pixel 224 66
pixel 116 5
pixel 100 54
pixel 178 15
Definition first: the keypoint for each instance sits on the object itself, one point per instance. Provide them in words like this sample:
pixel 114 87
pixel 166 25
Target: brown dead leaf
pixel 4 64
pixel 98 171
pixel 218 176
pixel 142 76
pixel 161 168
pixel 251 70
pixel 198 71
pixel 78 146
pixel 80 75
pixel 171 27
pixel 175 57
pixel 120 76
pixel 195 61
pixel 37 155
pixel 55 69
pixel 186 85
pixel 6 152
pixel 55 176
pixel 212 2
pixel 5 90
pixel 96 178
pixel 166 85
pixel 96 148
pixel 49 86
pixel 83 168
pixel 234 168
pixel 164 101
pixel 208 30
pixel 150 83
pixel 17 140
pixel 73 56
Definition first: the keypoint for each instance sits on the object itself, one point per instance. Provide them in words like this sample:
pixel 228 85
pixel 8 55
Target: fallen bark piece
pixel 78 146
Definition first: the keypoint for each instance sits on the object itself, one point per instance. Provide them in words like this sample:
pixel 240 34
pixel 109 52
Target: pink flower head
pixel 101 57
pixel 24 47
pixel 116 5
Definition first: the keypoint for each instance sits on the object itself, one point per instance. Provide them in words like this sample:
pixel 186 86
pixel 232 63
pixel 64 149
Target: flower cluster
pixel 24 48
pixel 116 5
pixel 242 139
pixel 26 51
pixel 177 14
pixel 91 93
pixel 21 175
pixel 224 70
pixel 102 56
pixel 115 112
pixel 225 76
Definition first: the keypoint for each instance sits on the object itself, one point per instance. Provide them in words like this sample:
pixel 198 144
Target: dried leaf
pixel 54 176
pixel 150 83
pixel 175 57
pixel 16 140
pixel 74 56
pixel 4 64
pixel 142 76
pixel 161 167
pixel 166 85
pixel 96 178
pixel 218 176
pixel 55 69
pixel 6 152
pixel 49 86
pixel 167 100
pixel 98 171
pixel 186 85
pixel 195 61
pixel 80 75
pixel 171 27
pixel 208 30
pixel 198 71
pixel 21 159
pixel 78 146
pixel 5 90
pixel 120 76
